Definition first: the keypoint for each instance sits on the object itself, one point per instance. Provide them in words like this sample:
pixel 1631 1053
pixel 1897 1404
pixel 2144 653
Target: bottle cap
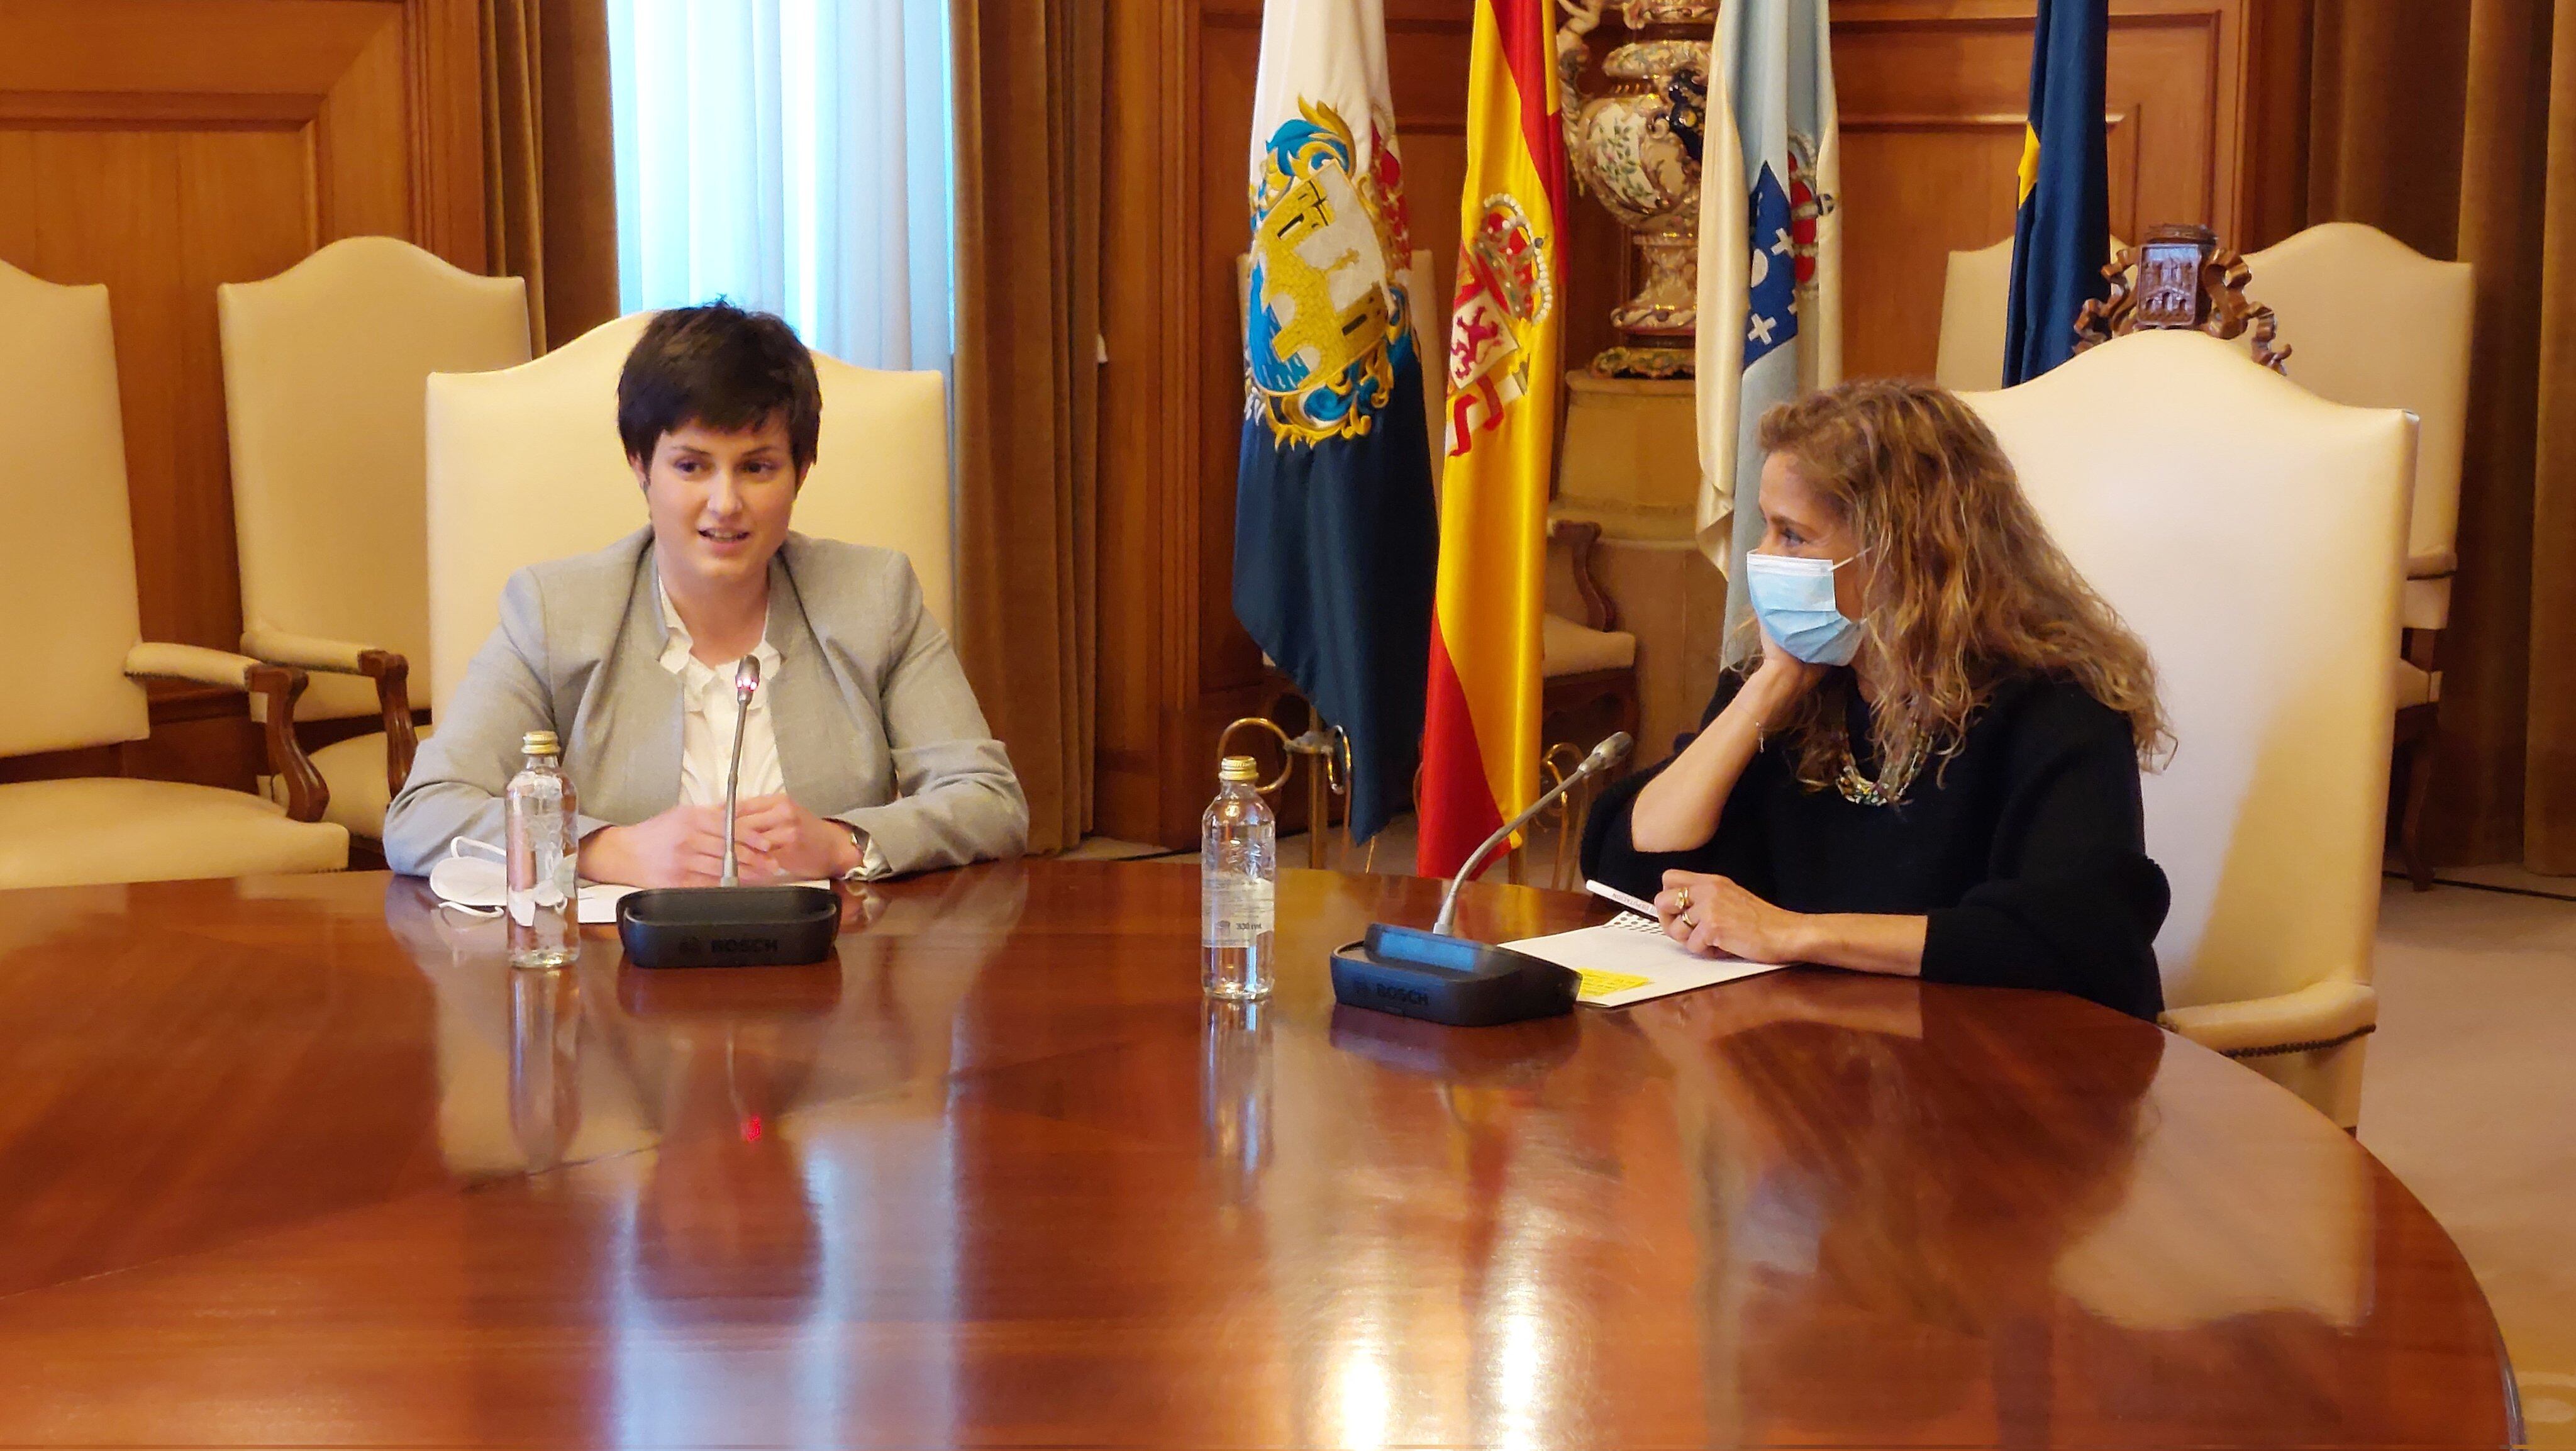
pixel 539 743
pixel 1238 768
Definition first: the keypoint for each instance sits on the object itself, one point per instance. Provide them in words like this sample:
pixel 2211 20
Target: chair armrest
pixel 340 657
pixel 191 662
pixel 2432 564
pixel 2321 1013
pixel 390 671
pixel 392 674
pixel 278 686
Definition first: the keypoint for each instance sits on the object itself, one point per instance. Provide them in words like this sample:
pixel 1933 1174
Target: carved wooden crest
pixel 2185 279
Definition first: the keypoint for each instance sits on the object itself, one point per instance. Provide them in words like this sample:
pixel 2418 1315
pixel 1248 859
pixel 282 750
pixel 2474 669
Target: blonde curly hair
pixel 1970 590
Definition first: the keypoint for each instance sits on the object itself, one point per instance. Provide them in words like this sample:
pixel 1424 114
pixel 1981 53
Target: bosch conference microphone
pixel 730 925
pixel 1444 978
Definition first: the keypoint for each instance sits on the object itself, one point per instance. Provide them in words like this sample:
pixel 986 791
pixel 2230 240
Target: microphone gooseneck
pixel 746 683
pixel 1603 757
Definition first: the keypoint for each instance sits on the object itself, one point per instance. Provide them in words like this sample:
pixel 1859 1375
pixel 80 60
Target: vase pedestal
pixel 1629 462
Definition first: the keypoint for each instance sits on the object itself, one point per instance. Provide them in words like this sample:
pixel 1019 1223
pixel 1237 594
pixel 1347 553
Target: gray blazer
pixel 876 724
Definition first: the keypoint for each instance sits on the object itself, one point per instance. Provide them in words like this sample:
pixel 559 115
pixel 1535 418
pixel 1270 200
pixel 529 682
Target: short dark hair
pixel 721 367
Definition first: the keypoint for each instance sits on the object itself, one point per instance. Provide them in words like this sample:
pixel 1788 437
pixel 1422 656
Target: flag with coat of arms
pixel 1770 260
pixel 1480 728
pixel 1335 533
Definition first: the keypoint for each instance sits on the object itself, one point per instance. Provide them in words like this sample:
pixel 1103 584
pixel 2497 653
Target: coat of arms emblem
pixel 1329 317
pixel 1505 289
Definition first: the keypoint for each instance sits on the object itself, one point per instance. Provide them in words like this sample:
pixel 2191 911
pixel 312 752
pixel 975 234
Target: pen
pixel 1613 894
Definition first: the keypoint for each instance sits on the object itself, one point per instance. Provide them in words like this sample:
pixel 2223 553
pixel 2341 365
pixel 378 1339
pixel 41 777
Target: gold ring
pixel 1681 899
pixel 1691 922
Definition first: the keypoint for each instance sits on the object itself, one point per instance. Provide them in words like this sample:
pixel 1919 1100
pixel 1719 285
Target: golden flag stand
pixel 1326 753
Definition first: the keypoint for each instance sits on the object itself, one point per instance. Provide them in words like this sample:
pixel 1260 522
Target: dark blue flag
pixel 1335 538
pixel 2062 232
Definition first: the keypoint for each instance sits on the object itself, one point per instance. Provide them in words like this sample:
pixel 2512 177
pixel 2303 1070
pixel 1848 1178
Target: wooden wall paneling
pixel 163 147
pixel 2272 181
pixel 1148 397
pixel 1933 94
pixel 443 52
pixel 1229 49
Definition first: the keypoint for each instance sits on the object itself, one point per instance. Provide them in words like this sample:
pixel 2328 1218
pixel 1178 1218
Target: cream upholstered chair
pixel 326 367
pixel 525 465
pixel 2372 322
pixel 75 648
pixel 2250 532
pixel 1975 294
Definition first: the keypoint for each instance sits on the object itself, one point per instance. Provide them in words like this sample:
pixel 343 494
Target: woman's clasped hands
pixel 775 840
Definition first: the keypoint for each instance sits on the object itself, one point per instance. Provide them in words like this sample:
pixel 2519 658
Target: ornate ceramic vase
pixel 1636 148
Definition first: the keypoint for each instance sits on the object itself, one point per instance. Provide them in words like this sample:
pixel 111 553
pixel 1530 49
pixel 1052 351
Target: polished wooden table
pixel 300 1161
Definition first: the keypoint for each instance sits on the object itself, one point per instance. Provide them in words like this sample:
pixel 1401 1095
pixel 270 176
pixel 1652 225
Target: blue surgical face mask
pixel 1794 600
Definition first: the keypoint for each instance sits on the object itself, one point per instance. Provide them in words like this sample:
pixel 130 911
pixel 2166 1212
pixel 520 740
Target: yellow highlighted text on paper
pixel 1603 984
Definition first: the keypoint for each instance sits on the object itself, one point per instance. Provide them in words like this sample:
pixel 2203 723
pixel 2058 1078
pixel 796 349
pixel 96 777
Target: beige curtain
pixel 549 168
pixel 1029 93
pixel 2453 127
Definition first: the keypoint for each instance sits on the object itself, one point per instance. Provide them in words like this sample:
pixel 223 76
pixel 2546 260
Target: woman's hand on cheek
pixel 1791 676
pixel 1709 915
pixel 681 847
pixel 791 843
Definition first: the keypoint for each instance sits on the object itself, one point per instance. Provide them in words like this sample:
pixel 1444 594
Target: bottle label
pixel 1236 910
pixel 541 871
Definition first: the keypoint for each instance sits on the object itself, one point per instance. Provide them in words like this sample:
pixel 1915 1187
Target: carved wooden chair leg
pixel 2410 817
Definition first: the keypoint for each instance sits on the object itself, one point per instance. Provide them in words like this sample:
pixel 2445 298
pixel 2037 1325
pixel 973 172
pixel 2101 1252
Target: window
pixel 795 156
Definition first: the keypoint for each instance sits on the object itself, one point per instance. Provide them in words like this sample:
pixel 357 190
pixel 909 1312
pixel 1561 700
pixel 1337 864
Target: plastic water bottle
pixel 1238 884
pixel 543 908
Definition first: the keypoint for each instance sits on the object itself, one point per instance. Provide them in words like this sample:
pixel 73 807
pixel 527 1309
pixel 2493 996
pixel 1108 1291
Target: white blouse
pixel 706 727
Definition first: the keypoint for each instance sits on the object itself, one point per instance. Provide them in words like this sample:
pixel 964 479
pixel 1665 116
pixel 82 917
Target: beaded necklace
pixel 1893 779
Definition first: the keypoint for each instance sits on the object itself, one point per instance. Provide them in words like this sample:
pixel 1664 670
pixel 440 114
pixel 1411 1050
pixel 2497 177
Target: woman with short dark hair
pixel 1930 766
pixel 864 753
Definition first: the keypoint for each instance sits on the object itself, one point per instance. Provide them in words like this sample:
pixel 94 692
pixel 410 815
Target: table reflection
pixel 602 1058
pixel 1809 1207
pixel 1878 1248
pixel 1234 1095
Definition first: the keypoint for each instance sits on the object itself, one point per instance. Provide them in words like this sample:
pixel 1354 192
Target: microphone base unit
pixel 1442 979
pixel 728 926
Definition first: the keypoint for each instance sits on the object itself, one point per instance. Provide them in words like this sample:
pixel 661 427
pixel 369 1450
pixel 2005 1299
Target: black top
pixel 2027 852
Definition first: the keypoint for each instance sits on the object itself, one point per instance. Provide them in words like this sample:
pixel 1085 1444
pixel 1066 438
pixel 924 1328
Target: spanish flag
pixel 1480 740
pixel 2062 228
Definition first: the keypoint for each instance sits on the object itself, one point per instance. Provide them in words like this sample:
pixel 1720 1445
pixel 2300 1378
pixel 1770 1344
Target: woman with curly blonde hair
pixel 1930 768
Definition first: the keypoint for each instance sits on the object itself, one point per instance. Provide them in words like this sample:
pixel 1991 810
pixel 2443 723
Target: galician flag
pixel 1334 535
pixel 1770 260
pixel 1480 742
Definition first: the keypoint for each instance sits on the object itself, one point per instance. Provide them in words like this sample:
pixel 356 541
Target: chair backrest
pixel 69 556
pixel 2250 533
pixel 525 465
pixel 326 367
pixel 2372 322
pixel 1975 294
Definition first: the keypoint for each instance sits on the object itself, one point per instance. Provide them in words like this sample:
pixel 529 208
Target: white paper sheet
pixel 1629 960
pixel 599 902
